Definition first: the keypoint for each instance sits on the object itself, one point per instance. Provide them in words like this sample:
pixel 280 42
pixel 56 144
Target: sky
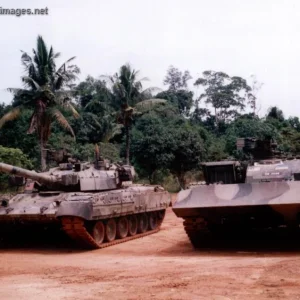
pixel 241 38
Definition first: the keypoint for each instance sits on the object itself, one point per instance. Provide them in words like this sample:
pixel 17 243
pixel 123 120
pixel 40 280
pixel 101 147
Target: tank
pixel 258 194
pixel 96 204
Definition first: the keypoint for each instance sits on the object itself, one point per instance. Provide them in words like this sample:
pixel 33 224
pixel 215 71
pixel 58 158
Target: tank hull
pixel 65 210
pixel 235 197
pixel 238 207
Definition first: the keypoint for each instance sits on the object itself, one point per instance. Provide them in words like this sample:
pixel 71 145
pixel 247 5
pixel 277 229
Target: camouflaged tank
pixel 241 197
pixel 96 204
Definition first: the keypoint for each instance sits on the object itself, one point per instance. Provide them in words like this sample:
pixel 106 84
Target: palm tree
pixel 130 98
pixel 46 92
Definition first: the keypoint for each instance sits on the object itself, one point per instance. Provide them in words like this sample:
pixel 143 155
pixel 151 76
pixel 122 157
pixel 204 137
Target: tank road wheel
pixel 122 228
pixel 110 230
pixel 142 223
pixel 132 225
pixel 99 232
pixel 161 215
pixel 153 220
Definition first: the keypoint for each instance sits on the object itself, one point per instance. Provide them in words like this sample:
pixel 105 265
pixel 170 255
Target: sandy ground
pixel 160 266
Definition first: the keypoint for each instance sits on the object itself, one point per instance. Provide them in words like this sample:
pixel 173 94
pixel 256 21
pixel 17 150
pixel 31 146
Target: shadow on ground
pixel 53 240
pixel 262 244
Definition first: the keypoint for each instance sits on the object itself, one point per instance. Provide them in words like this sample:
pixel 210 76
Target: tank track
pixel 76 229
pixel 198 233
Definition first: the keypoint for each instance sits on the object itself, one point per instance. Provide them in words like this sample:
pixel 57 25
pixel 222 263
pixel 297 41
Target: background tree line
pixel 165 134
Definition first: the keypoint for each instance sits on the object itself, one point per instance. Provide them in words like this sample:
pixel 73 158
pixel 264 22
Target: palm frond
pixel 53 55
pixel 10 116
pixel 94 103
pixel 26 59
pixel 121 90
pixel 28 80
pixel 41 59
pixel 42 50
pixel 111 80
pixel 134 73
pixel 65 75
pixel 50 55
pixel 73 69
pixel 56 55
pixel 94 119
pixel 73 110
pixel 14 90
pixel 59 117
pixel 28 63
pixel 36 57
pixel 138 85
pixel 111 115
pixel 63 66
pixel 115 130
pixel 51 63
pixel 59 81
pixel 63 100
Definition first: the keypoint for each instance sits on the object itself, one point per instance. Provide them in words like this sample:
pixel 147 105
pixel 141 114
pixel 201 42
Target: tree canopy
pixel 165 134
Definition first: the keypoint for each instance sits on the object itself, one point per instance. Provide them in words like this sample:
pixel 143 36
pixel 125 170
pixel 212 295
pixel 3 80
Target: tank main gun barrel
pixel 41 178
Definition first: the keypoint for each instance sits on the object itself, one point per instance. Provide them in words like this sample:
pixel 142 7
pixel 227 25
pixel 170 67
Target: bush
pixel 13 157
pixel 87 152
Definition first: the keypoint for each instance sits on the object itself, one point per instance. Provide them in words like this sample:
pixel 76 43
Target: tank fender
pixel 75 209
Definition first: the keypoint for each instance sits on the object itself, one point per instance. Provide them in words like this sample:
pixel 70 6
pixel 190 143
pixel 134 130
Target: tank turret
pixel 76 176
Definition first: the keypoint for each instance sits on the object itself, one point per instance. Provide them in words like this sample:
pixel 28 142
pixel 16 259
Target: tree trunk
pixel 43 156
pixel 216 118
pixel 127 144
pixel 181 180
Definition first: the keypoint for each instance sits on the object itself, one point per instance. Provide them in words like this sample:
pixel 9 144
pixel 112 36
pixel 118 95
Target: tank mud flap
pixel 75 209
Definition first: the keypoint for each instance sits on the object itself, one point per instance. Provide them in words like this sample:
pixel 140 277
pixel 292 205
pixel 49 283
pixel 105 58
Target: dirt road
pixel 160 266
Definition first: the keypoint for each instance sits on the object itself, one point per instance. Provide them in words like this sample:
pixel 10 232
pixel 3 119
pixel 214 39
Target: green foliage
pixel 128 95
pixel 167 180
pixel 216 149
pixel 294 123
pixel 151 151
pixel 181 99
pixel 168 134
pixel 176 80
pixel 275 113
pixel 87 152
pixel 97 105
pixel 169 144
pixel 13 157
pixel 44 93
pixel 245 127
pixel 14 135
pixel 289 141
pixel 177 93
pixel 227 95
